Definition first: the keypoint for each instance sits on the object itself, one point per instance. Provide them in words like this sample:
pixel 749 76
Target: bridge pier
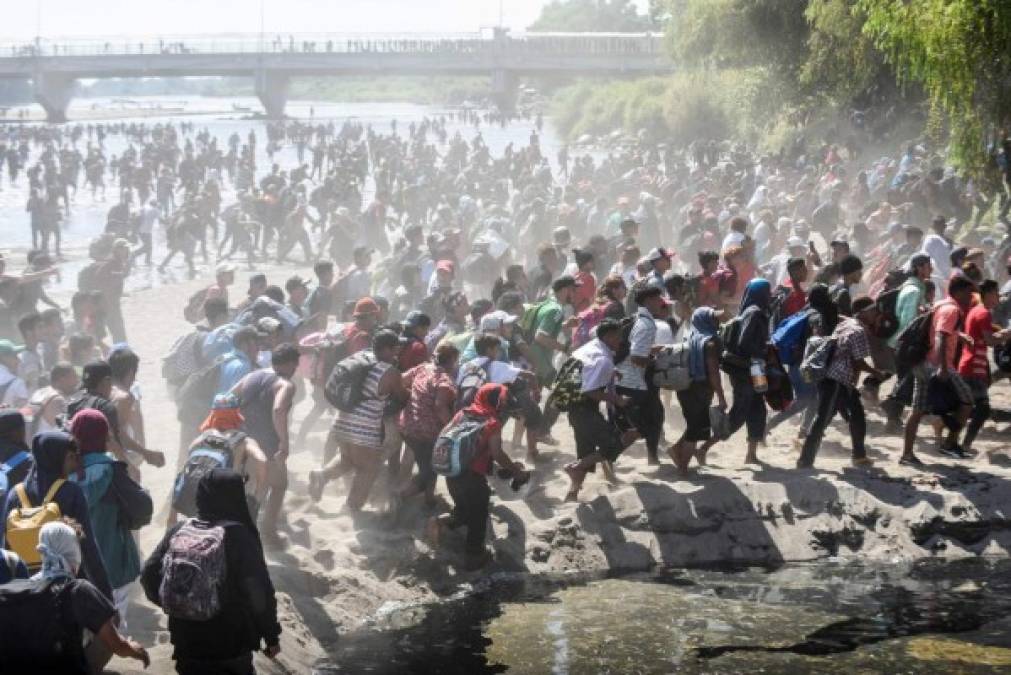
pixel 272 90
pixel 53 92
pixel 505 89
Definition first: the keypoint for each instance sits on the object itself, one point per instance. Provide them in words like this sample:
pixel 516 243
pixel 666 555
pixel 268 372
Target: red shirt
pixel 412 355
pixel 946 319
pixel 795 301
pixel 974 362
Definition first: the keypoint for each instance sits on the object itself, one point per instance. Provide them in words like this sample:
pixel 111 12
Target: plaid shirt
pixel 851 346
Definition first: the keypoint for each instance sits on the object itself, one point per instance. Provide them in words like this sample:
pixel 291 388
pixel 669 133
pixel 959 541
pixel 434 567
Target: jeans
pixel 833 396
pixel 422 449
pixel 805 400
pixel 748 408
pixel 471 499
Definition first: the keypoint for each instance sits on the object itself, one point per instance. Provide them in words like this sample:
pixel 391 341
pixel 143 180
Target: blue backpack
pixel 8 466
pixel 457 446
pixel 788 338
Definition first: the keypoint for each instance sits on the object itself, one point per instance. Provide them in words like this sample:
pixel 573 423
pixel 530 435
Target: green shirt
pixel 549 320
pixel 907 305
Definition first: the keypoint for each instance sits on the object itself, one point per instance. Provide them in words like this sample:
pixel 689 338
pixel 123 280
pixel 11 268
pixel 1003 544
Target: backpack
pixel 25 522
pixel 913 344
pixel 215 451
pixel 567 389
pixel 88 277
pixel 196 394
pixel 457 445
pixel 194 309
pixel 889 322
pixel 193 572
pixel 670 367
pixel 1002 357
pixel 779 297
pixel 528 320
pixel 184 359
pixel 34 636
pixel 589 319
pixel 817 356
pixel 344 387
pixel 472 377
pixel 788 338
pixel 6 468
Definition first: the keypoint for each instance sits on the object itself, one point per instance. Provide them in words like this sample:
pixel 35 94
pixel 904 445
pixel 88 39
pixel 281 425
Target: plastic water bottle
pixel 758 379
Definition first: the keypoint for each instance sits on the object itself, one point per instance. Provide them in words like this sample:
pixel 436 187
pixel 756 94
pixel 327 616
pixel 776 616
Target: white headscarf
pixel 61 551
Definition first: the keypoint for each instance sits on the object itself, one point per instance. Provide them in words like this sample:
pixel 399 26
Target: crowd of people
pixel 452 290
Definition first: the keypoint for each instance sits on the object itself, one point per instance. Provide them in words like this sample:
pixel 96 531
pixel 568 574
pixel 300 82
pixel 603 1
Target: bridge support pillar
pixel 53 92
pixel 504 89
pixel 272 90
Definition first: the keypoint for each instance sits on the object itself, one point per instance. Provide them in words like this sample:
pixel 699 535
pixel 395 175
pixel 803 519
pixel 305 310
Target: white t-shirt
pixel 499 372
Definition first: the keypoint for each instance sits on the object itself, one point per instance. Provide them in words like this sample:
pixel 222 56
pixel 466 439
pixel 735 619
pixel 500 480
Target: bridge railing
pixel 318 43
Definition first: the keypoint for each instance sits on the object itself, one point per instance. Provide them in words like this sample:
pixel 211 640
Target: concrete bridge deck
pixel 54 66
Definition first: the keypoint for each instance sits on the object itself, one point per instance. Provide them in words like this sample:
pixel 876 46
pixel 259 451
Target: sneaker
pixel 911 460
pixel 955 452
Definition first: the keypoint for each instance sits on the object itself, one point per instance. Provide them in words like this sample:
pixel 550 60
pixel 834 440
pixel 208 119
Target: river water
pixel 221 117
pixel 929 617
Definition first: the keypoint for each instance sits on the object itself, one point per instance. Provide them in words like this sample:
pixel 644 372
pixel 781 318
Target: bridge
pixel 272 60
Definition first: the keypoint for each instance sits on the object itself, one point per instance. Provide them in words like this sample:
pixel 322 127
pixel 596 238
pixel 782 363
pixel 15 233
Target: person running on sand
pixel 470 491
pixel 360 431
pixel 267 396
pixel 598 440
pixel 247 619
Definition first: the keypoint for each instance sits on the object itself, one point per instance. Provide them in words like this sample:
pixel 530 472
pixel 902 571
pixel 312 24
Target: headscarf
pixel 758 293
pixel 61 551
pixel 225 415
pixel 91 431
pixel 49 451
pixel 221 495
pixel 489 402
pixel 703 329
pixel 820 299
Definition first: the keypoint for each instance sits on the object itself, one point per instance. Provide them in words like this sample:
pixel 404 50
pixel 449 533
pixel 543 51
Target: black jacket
pixel 249 612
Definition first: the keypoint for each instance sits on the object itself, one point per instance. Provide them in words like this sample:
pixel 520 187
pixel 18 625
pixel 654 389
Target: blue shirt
pixel 236 366
pixel 219 341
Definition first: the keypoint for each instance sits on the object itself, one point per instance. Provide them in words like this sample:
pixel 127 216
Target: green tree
pixel 589 16
pixel 959 51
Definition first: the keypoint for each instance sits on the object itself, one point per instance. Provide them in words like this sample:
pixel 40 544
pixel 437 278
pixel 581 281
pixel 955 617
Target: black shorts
pixel 695 403
pixel 593 432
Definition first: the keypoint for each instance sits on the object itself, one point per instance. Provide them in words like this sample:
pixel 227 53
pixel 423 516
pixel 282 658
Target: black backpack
pixel 889 321
pixel 913 345
pixel 35 636
pixel 344 387
pixel 627 324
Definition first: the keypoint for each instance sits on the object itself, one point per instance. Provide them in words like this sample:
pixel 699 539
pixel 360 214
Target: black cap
pixel 565 281
pixel 384 339
pixel 11 421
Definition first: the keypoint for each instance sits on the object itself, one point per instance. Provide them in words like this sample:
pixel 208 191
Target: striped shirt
pixel 364 425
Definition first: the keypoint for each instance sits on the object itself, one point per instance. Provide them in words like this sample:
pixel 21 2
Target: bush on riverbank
pixel 703 105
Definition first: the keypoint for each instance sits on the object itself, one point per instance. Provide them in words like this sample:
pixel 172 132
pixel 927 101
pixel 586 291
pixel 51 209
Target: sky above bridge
pixel 23 19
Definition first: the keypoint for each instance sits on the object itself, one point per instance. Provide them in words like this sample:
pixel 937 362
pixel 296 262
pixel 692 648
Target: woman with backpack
pixel 30 632
pixel 747 349
pixel 55 457
pixel 704 367
pixel 429 409
pixel 117 504
pixel 209 576
pixel 470 491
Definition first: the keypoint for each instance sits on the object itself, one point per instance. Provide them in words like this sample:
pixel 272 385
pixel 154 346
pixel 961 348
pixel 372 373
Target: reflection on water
pixel 930 617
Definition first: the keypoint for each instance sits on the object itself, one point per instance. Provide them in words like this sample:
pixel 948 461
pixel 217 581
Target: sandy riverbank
pixel 338 571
